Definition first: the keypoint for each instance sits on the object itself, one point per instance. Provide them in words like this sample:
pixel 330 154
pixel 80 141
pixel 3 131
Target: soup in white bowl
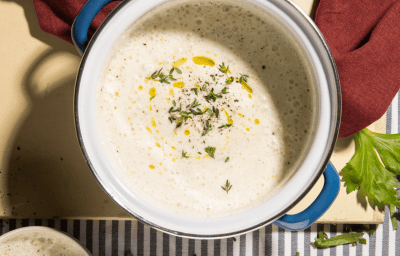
pixel 39 241
pixel 205 109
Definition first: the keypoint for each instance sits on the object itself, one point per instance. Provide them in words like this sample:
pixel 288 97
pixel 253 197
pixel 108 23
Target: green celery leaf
pixel 350 238
pixel 388 147
pixel 365 171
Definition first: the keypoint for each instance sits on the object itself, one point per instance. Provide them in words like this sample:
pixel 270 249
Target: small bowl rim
pixel 42 228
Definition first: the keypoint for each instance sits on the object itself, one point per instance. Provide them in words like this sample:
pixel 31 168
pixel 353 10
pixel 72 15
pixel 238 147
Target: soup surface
pixel 40 243
pixel 205 108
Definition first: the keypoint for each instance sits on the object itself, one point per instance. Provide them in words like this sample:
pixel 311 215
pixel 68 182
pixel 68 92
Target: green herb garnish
pixel 243 78
pixel 229 80
pixel 210 151
pixel 174 103
pixel 212 96
pixel 207 128
pixel 227 187
pixel 225 126
pixel 209 111
pixel 194 112
pixel 223 69
pixel 216 111
pixel 155 74
pixel 195 103
pixel 213 77
pixel 373 169
pixel 172 110
pixel 152 97
pixel 322 240
pixel 176 69
pixel 179 123
pixel 224 91
pixel 227 159
pixel 199 153
pixel 163 78
pixel 195 90
pixel 185 115
pixel 184 154
pixel 171 118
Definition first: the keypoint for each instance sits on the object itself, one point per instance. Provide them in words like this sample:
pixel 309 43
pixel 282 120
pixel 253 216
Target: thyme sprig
pixel 209 111
pixel 223 69
pixel 243 78
pixel 207 128
pixel 204 87
pixel 212 96
pixel 210 151
pixel 216 111
pixel 227 186
pixel 195 90
pixel 195 103
pixel 184 154
pixel 229 80
pixel 225 126
pixel 163 78
pixel 179 123
pixel 176 69
pixel 196 112
pixel 155 74
pixel 171 119
pixel 185 115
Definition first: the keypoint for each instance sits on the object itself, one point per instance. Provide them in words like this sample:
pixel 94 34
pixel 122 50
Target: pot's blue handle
pixel 82 22
pixel 321 204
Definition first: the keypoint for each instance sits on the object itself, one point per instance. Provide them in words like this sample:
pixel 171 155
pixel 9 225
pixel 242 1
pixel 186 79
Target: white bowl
pixel 48 240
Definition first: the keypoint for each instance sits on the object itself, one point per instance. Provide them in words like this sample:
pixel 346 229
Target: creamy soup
pixel 40 242
pixel 206 108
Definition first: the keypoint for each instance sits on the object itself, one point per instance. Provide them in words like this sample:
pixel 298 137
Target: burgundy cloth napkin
pixel 363 35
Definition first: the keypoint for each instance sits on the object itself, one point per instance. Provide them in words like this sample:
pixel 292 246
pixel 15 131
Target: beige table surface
pixel 42 171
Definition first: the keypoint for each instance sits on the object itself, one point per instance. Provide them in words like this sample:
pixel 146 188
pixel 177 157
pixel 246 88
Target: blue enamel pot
pixel 314 164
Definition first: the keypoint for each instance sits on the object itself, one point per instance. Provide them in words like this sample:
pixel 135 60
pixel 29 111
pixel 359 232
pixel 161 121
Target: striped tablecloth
pixel 123 238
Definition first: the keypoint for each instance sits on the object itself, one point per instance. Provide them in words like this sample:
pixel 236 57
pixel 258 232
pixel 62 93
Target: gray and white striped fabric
pixel 123 238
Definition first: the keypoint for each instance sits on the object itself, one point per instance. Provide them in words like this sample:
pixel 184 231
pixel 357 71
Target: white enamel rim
pixel 42 229
pixel 254 218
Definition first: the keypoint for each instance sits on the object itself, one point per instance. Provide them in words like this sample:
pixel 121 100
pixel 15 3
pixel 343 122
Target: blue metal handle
pixel 82 22
pixel 321 204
